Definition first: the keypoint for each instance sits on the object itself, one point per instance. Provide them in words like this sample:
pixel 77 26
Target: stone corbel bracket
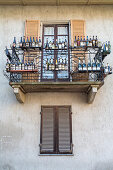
pixel 92 93
pixel 19 93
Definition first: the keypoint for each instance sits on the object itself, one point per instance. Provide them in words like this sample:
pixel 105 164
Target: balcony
pixel 74 69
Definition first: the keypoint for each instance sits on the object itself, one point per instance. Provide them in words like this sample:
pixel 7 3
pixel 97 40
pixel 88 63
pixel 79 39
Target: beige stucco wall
pixel 20 123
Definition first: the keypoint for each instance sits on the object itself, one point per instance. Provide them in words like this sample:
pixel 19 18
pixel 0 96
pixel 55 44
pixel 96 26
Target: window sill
pixel 56 155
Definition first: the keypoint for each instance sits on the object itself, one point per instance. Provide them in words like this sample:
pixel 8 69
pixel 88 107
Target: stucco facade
pixel 92 125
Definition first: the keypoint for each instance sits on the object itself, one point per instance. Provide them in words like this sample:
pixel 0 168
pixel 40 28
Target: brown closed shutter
pixel 64 129
pixel 47 130
pixel 32 29
pixel 56 130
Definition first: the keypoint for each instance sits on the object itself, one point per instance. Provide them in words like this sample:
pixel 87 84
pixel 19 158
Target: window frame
pixel 56 135
pixel 55 51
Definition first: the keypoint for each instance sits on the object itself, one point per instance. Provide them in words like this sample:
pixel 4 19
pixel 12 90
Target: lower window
pixel 56 130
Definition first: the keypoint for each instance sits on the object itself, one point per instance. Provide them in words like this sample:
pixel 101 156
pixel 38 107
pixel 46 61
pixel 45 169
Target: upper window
pixel 56 130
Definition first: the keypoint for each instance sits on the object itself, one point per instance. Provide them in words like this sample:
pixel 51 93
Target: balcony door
pixel 55 33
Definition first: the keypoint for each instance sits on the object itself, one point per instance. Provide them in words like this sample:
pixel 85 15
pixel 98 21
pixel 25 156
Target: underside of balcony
pixel 78 87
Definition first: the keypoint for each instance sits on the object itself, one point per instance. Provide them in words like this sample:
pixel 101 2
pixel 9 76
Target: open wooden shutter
pixel 77 29
pixel 47 130
pixel 64 130
pixel 32 28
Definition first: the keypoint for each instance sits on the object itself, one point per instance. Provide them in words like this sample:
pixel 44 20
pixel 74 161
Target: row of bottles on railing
pixel 60 64
pixel 56 44
pixel 91 42
pixel 26 42
pixel 93 66
pixel 30 65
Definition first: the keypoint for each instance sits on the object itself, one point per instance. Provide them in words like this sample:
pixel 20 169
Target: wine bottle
pixel 96 42
pixel 90 42
pixel 27 42
pixel 84 42
pixel 40 43
pixel 106 46
pixel 87 42
pixel 79 65
pixel 107 69
pixel 7 66
pixel 33 43
pixel 46 64
pixel 65 65
pixel 93 42
pixel 14 42
pixel 19 67
pixel 50 45
pixel 75 42
pixel 93 65
pixel 47 44
pixel 98 66
pixel 23 65
pixel 59 44
pixel 56 65
pixel 20 43
pixel 84 65
pixel 109 47
pixel 36 42
pixel 30 42
pixel 56 45
pixel 50 64
pixel 89 65
pixel 24 43
pixel 81 42
pixel 53 44
pixel 78 42
pixel 65 44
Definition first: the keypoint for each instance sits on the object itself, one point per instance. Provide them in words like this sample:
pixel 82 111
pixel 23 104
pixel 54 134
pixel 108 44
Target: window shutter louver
pixel 47 134
pixel 64 129
pixel 32 28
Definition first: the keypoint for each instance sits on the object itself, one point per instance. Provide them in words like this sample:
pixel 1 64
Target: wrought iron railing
pixel 71 64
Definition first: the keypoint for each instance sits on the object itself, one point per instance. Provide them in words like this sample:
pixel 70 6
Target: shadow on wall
pixel 104 166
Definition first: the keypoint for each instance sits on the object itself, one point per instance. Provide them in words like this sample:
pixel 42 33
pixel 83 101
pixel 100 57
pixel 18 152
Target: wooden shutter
pixel 77 29
pixel 56 130
pixel 64 130
pixel 32 28
pixel 47 130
